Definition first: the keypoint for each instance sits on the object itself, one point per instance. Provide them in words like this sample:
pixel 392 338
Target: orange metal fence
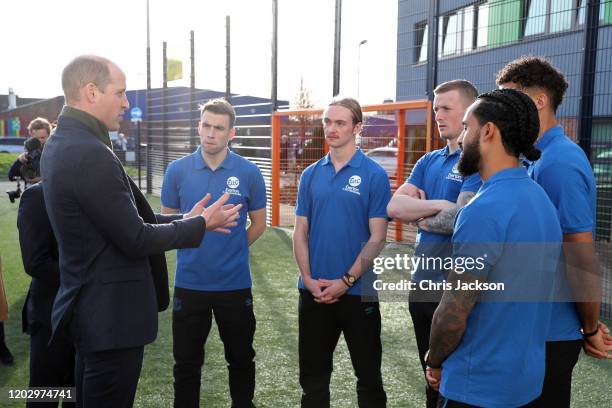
pixel 395 135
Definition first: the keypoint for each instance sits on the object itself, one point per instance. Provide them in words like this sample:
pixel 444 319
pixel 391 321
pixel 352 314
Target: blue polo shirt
pixel 436 173
pixel 338 207
pixel 221 262
pixel 565 174
pixel 500 359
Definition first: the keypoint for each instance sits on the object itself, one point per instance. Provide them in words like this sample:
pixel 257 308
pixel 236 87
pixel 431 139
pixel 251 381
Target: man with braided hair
pixel 479 325
pixel 431 198
pixel 566 175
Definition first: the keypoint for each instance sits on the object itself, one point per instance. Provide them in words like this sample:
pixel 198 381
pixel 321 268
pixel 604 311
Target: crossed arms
pixel 409 204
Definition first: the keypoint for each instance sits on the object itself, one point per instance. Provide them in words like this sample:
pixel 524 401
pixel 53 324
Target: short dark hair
pixel 466 89
pixel 83 70
pixel 350 104
pixel 529 71
pixel 516 117
pixel 221 107
pixel 39 123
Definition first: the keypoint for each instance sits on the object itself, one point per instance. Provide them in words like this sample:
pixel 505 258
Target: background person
pixel 487 349
pixel 431 198
pixel 340 227
pixel 215 278
pixel 565 173
pixel 50 366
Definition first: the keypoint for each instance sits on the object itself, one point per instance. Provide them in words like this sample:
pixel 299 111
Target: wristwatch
pixel 350 278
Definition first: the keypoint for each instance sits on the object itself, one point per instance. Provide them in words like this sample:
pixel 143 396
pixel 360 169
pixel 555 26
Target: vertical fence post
pixel 138 154
pixel 337 42
pixel 165 111
pixel 274 60
pixel 148 117
pixel 431 78
pixel 228 71
pixel 193 139
pixel 429 129
pixel 589 67
pixel 276 131
pixel 401 148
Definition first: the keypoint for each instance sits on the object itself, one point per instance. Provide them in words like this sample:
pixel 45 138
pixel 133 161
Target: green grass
pixel 6 160
pixel 133 172
pixel 274 278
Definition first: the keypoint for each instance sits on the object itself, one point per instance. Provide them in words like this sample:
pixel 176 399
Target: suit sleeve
pixel 103 193
pixel 167 218
pixel 36 239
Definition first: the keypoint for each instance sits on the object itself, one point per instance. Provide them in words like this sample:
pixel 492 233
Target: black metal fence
pixel 440 40
pixel 169 129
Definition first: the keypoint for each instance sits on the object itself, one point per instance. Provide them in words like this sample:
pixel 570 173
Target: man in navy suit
pixel 112 268
pixel 49 366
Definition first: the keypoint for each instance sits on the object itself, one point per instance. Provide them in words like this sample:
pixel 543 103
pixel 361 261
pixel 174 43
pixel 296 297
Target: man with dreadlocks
pixel 566 175
pixel 483 319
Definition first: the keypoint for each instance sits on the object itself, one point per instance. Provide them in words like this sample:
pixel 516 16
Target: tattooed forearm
pixel 444 221
pixel 450 318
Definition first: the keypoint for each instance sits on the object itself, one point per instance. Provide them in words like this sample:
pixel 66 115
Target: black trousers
pixel 108 378
pixel 320 326
pixel 191 323
pixel 50 366
pixel 561 357
pixel 422 313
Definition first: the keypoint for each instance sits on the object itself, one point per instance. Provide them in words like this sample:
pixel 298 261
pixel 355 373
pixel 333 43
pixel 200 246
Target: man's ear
pixel 541 100
pixel 232 133
pixel 89 92
pixel 487 132
pixel 357 128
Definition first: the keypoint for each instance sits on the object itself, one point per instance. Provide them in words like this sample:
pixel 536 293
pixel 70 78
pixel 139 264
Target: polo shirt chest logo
pixel 353 185
pixel 232 186
pixel 455 175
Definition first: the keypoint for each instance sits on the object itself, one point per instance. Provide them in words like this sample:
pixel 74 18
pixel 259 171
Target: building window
pixel 561 15
pixel 553 16
pixel 463 30
pixel 482 25
pixel 535 17
pixel 449 34
pixel 421 36
pixel 605 12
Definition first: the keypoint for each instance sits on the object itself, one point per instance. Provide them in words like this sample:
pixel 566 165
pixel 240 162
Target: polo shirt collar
pixel 445 152
pixel 199 163
pixel 355 161
pixel 549 136
pixel 506 174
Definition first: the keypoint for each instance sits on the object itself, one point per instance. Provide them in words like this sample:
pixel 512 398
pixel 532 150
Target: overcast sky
pixel 40 36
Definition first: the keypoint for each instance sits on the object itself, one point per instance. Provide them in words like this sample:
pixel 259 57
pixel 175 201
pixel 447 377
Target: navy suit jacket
pixel 40 259
pixel 111 268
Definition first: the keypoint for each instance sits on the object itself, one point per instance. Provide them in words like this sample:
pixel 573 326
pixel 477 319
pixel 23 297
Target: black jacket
pixel 40 259
pixel 111 245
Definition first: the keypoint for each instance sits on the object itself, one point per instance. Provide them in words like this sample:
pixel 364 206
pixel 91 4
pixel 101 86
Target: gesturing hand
pixel 219 216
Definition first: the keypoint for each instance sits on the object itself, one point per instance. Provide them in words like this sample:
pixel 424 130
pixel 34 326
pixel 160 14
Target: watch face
pixel 351 279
